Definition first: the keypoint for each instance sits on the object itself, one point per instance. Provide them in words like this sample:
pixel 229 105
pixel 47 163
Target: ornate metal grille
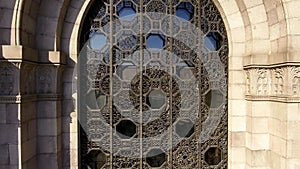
pixel 147 98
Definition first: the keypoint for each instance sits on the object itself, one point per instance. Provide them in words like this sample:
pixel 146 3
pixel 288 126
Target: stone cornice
pixel 15 99
pixel 284 64
pixel 49 97
pixel 13 53
pixel 19 53
pixel 56 57
pixel 284 99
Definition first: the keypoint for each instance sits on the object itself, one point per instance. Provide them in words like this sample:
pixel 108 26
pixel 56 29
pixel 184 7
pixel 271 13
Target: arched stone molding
pixel 37 105
pixel 7 10
pixel 292 19
pixel 72 27
pixel 24 23
pixel 250 29
pixel 237 40
pixel 293 109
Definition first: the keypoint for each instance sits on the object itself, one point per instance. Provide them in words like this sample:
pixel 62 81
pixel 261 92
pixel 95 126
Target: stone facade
pixel 39 48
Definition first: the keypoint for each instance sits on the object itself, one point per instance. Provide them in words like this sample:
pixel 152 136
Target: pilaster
pixel 49 105
pixel 17 97
pixel 273 92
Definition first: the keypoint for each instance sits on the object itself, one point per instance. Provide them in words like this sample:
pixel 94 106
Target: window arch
pixel 142 75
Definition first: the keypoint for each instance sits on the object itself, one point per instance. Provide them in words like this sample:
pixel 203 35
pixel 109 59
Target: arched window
pixel 153 85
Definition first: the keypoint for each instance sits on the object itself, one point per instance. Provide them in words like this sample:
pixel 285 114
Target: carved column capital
pixel 9 78
pixel 275 83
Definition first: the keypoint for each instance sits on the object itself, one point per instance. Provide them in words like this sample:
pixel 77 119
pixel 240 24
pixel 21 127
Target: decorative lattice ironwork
pixel 136 100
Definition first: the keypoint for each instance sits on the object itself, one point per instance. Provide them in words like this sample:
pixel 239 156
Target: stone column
pixel 17 108
pixel 70 132
pixel 293 119
pixel 49 106
pixel 273 93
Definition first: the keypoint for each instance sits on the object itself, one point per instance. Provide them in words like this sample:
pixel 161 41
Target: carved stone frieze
pixel 10 99
pixel 23 79
pixel 278 79
pixel 9 74
pixel 47 79
pixel 27 83
pixel 16 82
pixel 295 80
pixel 278 83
